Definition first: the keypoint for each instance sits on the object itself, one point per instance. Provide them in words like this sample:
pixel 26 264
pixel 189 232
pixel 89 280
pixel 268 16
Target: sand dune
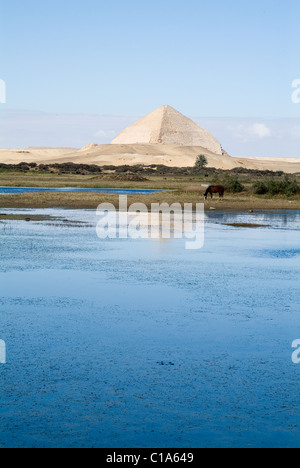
pixel 32 154
pixel 163 137
pixel 169 155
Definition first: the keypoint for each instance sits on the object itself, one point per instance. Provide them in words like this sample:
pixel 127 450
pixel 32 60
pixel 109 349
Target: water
pixel 18 190
pixel 141 343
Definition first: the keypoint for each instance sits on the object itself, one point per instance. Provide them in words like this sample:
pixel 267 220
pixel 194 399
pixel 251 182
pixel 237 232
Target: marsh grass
pixel 178 188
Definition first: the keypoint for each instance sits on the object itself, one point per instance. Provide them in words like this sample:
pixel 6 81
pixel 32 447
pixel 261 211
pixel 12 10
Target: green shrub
pixel 292 188
pixel 201 162
pixel 275 187
pixel 286 186
pixel 232 184
pixel 260 188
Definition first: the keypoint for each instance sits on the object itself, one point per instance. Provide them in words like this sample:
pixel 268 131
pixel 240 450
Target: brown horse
pixel 215 189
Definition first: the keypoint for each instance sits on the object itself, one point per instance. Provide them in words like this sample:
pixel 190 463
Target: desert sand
pixel 169 155
pixel 163 137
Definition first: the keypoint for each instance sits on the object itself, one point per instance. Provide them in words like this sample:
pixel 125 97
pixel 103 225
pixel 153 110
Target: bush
pixel 286 186
pixel 275 187
pixel 122 169
pixel 201 162
pixel 260 188
pixel 109 168
pixel 232 184
pixel 291 188
pixel 149 170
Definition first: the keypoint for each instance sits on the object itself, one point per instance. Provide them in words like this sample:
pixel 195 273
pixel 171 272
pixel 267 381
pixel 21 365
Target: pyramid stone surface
pixel 168 127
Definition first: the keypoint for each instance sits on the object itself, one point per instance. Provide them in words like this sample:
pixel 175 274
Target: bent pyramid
pixel 168 127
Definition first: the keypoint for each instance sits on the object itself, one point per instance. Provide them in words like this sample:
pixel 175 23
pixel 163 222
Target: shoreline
pixel 161 188
pixel 91 200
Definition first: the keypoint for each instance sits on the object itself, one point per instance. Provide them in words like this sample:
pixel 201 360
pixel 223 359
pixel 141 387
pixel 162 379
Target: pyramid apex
pixel 162 108
pixel 167 107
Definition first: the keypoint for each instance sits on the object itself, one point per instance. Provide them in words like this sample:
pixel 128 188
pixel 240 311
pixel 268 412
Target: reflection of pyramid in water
pixel 168 127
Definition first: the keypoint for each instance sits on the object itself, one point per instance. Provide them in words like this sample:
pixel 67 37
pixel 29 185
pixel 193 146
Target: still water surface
pixel 18 190
pixel 140 343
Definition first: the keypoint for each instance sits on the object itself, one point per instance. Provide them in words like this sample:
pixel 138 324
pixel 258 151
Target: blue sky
pixel 211 59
